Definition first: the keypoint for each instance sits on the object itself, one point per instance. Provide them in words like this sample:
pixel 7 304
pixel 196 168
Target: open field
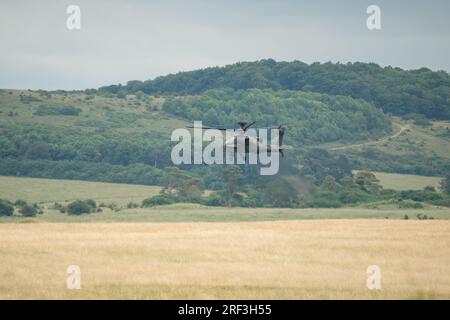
pixel 51 190
pixel 286 259
pixel 398 181
pixel 197 213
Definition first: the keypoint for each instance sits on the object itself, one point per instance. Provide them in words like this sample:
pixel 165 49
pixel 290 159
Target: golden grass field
pixel 302 259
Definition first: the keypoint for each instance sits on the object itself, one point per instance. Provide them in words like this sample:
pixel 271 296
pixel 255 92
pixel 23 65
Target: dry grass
pixel 284 259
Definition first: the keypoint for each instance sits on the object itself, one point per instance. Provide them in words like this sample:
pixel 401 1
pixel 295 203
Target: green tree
pixel 234 183
pixel 445 184
pixel 367 181
pixel 28 211
pixel 6 208
pixel 280 193
pixel 180 183
pixel 78 207
pixel 329 184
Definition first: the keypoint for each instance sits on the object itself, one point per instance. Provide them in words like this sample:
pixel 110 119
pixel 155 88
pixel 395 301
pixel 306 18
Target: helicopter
pixel 242 141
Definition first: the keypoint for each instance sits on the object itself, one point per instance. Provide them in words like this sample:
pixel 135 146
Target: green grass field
pixel 196 213
pixel 128 115
pixel 52 190
pixel 398 181
pixel 48 191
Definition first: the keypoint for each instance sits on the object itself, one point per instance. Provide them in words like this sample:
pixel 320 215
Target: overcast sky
pixel 127 40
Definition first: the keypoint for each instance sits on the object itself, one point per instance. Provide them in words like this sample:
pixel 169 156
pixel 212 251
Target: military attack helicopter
pixel 249 143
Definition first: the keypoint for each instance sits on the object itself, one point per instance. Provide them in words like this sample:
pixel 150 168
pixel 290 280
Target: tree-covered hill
pixel 395 90
pixel 310 118
pixel 84 135
pixel 122 133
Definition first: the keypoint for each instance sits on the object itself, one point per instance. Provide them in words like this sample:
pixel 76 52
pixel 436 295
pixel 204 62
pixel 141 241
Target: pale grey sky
pixel 127 40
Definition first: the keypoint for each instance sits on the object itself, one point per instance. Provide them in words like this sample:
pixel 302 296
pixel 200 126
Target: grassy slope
pixel 324 259
pixel 406 181
pixel 52 190
pixel 411 142
pixel 94 112
pixel 406 138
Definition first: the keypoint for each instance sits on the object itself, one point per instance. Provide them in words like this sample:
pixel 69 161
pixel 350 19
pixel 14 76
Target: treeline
pixel 309 117
pixel 57 143
pixel 395 90
pixel 46 151
pixel 290 192
pixel 81 170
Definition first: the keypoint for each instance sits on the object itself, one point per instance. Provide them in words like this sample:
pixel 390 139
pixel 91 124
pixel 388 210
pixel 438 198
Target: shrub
pixel 113 207
pixel 20 203
pixel 215 199
pixel 55 111
pixel 131 205
pixel 79 207
pixel 28 211
pixel 442 202
pixel 60 207
pixel 91 203
pixel 409 204
pixel 419 195
pixel 6 208
pixel 159 200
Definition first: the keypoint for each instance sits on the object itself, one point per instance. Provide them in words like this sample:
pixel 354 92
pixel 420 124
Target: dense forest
pixel 394 90
pixel 309 117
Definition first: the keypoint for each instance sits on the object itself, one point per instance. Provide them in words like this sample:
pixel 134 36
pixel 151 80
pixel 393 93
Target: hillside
pixel 310 118
pixel 394 90
pixel 126 139
pixel 337 118
pixel 35 190
pixel 398 181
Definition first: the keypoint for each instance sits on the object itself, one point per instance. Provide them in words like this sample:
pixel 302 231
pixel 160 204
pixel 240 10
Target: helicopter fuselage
pixel 244 143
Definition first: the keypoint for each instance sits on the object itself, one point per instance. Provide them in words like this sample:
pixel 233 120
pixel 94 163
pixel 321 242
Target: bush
pixel 419 195
pixel 159 200
pixel 91 203
pixel 215 199
pixel 442 202
pixel 60 207
pixel 79 207
pixel 20 203
pixel 424 217
pixel 113 207
pixel 55 111
pixel 131 205
pixel 324 200
pixel 409 204
pixel 28 211
pixel 6 208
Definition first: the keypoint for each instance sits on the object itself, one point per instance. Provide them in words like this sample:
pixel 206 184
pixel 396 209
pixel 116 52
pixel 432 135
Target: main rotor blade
pixel 248 126
pixel 192 127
